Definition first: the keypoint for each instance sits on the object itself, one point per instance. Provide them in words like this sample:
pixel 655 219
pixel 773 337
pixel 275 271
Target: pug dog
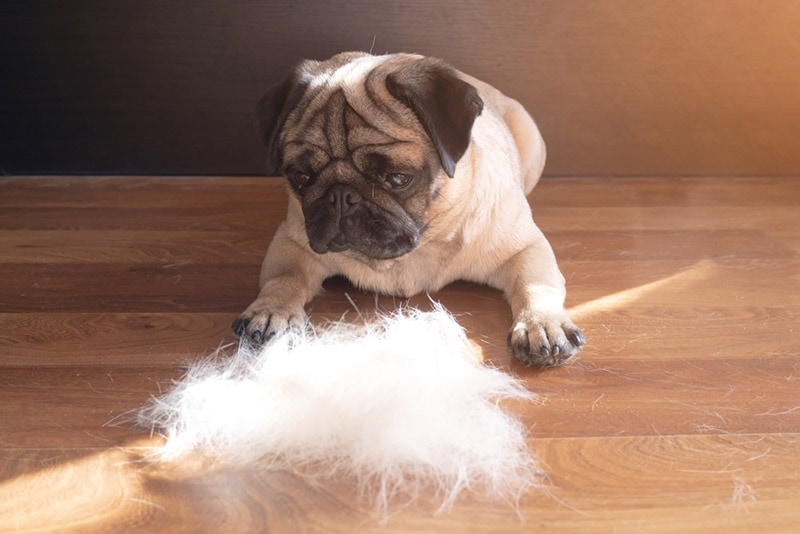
pixel 405 175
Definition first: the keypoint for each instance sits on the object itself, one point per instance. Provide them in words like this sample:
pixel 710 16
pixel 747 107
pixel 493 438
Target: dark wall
pixel 624 87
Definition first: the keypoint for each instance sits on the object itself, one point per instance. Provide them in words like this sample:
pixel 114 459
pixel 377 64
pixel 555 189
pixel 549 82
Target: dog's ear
pixel 272 110
pixel 444 104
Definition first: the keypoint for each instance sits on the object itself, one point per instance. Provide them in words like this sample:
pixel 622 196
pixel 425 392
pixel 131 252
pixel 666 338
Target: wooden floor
pixel 682 413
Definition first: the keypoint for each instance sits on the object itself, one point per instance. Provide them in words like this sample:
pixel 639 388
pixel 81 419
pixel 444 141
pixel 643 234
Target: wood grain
pixel 681 414
pixel 586 399
pixel 165 247
pixel 685 193
pixel 80 339
pixel 123 287
pixel 713 483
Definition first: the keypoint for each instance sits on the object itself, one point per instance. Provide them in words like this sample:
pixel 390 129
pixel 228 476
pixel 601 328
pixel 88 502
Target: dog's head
pixel 366 143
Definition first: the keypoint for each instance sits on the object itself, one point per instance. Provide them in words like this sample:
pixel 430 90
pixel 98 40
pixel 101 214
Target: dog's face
pixel 367 143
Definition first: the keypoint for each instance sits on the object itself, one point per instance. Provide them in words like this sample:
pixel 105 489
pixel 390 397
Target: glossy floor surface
pixel 682 414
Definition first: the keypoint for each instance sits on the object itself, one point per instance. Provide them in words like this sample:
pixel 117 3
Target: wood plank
pixel 253 216
pixel 658 333
pixel 596 287
pixel 78 406
pixel 194 192
pixel 649 334
pixel 664 398
pixel 150 191
pixel 656 321
pixel 196 246
pixel 133 246
pixel 122 287
pixel 683 483
pixel 695 192
pixel 664 319
pixel 690 283
pixel 666 218
pixel 126 339
pixel 779 223
pixel 640 245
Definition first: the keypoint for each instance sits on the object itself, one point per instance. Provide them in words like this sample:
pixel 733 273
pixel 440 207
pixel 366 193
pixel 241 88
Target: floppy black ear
pixel 272 110
pixel 444 104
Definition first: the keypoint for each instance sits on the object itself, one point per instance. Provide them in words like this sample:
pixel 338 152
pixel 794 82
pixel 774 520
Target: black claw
pixel 239 326
pixel 577 338
pixel 544 350
pixel 257 337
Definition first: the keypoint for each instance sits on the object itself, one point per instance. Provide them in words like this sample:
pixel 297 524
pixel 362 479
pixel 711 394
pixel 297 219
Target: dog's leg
pixel 542 332
pixel 290 278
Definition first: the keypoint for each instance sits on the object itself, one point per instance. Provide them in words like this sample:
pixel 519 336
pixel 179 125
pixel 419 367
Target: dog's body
pixel 407 175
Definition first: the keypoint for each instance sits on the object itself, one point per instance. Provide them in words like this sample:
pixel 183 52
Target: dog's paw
pixel 544 339
pixel 266 318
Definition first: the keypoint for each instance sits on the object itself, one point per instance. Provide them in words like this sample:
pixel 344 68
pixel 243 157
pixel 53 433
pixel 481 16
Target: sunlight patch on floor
pixel 77 494
pixel 699 272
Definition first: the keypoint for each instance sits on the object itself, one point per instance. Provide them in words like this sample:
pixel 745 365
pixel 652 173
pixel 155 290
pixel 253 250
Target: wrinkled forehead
pixel 349 113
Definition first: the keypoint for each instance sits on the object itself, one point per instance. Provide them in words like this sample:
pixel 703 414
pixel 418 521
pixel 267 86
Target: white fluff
pixel 399 405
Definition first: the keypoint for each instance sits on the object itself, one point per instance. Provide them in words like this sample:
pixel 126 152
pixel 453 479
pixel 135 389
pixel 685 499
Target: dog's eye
pixel 299 178
pixel 397 180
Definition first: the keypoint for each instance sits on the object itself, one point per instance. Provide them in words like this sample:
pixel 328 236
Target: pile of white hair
pixel 399 405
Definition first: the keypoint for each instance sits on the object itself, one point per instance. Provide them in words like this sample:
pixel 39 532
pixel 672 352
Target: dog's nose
pixel 344 197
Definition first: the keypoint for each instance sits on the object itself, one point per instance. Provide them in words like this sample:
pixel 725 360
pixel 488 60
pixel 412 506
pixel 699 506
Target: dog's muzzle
pixel 342 219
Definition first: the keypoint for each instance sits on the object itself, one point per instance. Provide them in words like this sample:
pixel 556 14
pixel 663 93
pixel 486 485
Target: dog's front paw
pixel 544 339
pixel 267 317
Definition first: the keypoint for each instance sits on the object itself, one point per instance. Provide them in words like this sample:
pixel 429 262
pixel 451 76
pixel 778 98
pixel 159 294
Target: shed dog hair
pixel 405 175
pixel 399 407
